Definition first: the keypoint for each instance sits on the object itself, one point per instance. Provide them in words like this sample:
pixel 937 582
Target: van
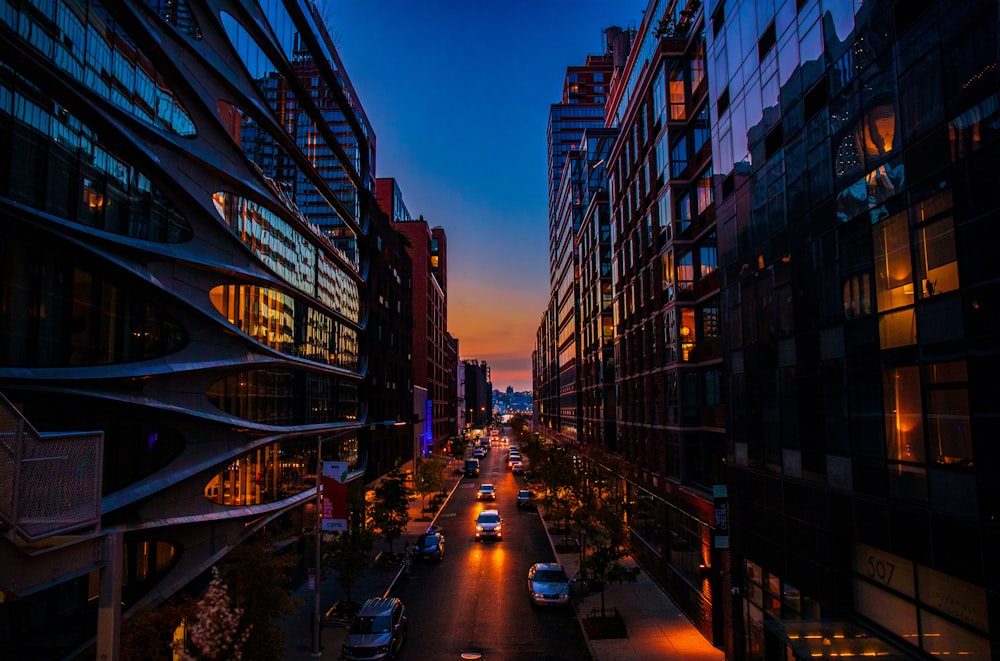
pixel 472 468
pixel 377 632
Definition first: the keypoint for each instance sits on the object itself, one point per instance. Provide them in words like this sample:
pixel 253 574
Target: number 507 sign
pixel 882 567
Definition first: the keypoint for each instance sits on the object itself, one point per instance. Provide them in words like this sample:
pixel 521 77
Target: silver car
pixel 548 584
pixel 377 632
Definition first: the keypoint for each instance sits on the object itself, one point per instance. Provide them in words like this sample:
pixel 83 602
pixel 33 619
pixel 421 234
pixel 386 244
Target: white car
pixel 548 584
pixel 489 524
pixel 486 492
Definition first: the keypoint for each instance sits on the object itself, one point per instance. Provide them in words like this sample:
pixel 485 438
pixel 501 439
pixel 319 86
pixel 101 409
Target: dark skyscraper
pixel 856 154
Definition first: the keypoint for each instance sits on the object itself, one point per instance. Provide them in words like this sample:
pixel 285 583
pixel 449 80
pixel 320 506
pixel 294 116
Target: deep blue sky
pixel 458 94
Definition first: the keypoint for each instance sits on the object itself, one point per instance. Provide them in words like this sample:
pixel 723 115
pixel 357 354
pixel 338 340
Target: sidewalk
pixel 378 580
pixel 657 629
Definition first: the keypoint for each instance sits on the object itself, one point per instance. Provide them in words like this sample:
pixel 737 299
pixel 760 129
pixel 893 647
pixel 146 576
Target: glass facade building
pixel 855 145
pixel 185 191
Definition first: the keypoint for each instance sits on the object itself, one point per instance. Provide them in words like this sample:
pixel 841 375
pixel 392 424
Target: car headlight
pixel 499 525
pixel 381 649
pixel 479 527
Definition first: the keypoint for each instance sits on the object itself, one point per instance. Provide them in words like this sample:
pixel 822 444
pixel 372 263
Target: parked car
pixel 489 524
pixel 524 499
pixel 548 584
pixel 517 468
pixel 486 492
pixel 429 546
pixel 377 632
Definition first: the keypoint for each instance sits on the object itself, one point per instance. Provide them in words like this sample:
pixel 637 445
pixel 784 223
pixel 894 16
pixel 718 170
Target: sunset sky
pixel 458 93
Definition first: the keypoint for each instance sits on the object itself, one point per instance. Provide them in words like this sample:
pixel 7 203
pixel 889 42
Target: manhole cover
pixel 472 655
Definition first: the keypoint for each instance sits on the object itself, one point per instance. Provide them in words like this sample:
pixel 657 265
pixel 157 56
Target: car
pixel 489 524
pixel 517 468
pixel 524 499
pixel 512 457
pixel 486 492
pixel 472 468
pixel 378 631
pixel 429 546
pixel 478 453
pixel 548 584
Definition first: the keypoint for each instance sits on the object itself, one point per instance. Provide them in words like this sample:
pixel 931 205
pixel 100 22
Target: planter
pixel 608 624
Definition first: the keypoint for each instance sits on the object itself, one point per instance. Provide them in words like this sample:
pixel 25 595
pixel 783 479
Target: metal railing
pixel 50 483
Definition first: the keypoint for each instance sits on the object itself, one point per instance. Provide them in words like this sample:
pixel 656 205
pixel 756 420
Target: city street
pixel 475 600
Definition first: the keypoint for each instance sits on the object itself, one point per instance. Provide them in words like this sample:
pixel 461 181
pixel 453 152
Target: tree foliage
pixel 259 582
pixel 347 552
pixel 391 510
pixel 215 630
pixel 429 476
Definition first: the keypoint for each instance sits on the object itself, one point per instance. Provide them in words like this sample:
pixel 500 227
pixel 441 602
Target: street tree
pixel 429 477
pixel 391 510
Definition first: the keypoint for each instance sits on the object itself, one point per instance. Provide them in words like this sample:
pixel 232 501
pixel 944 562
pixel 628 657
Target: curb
pixel 395 579
pixel 576 609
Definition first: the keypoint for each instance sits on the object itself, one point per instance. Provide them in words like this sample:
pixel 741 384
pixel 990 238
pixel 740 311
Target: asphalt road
pixel 475 601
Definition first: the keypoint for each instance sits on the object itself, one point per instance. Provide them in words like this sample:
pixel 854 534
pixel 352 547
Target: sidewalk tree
pixel 429 477
pixel 216 630
pixel 391 510
pixel 348 552
pixel 258 580
pixel 608 546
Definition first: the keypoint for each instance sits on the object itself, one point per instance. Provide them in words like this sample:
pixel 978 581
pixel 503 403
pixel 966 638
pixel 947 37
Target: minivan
pixel 378 630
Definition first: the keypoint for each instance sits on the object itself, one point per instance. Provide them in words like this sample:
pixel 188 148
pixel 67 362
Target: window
pixel 679 158
pixel 678 100
pixel 948 425
pixel 893 271
pixel 904 429
pixel 707 260
pixel 705 194
pixel 937 263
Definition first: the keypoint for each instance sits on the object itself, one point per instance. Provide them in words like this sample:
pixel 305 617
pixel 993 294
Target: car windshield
pixel 427 541
pixel 488 518
pixel 368 624
pixel 550 576
pixel 523 494
pixel 486 487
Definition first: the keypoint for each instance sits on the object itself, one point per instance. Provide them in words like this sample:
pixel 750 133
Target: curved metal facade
pixel 184 190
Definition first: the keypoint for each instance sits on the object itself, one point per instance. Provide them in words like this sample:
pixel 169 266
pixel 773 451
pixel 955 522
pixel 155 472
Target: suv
pixel 377 632
pixel 489 524
pixel 471 467
pixel 524 499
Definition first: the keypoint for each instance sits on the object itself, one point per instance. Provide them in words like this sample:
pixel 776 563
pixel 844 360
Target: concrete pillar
pixel 109 611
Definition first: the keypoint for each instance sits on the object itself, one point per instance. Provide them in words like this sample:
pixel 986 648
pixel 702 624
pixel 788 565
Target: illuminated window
pixel 904 430
pixel 893 270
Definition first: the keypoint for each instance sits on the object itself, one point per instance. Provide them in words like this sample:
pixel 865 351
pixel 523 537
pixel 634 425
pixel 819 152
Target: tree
pixel 347 552
pixel 148 632
pixel 259 579
pixel 608 546
pixel 458 447
pixel 429 477
pixel 391 510
pixel 215 631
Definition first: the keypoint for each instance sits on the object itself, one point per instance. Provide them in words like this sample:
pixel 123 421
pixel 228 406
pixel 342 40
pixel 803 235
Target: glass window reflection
pixel 88 44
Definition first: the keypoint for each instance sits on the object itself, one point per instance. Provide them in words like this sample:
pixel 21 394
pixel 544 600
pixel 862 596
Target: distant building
pixel 478 394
